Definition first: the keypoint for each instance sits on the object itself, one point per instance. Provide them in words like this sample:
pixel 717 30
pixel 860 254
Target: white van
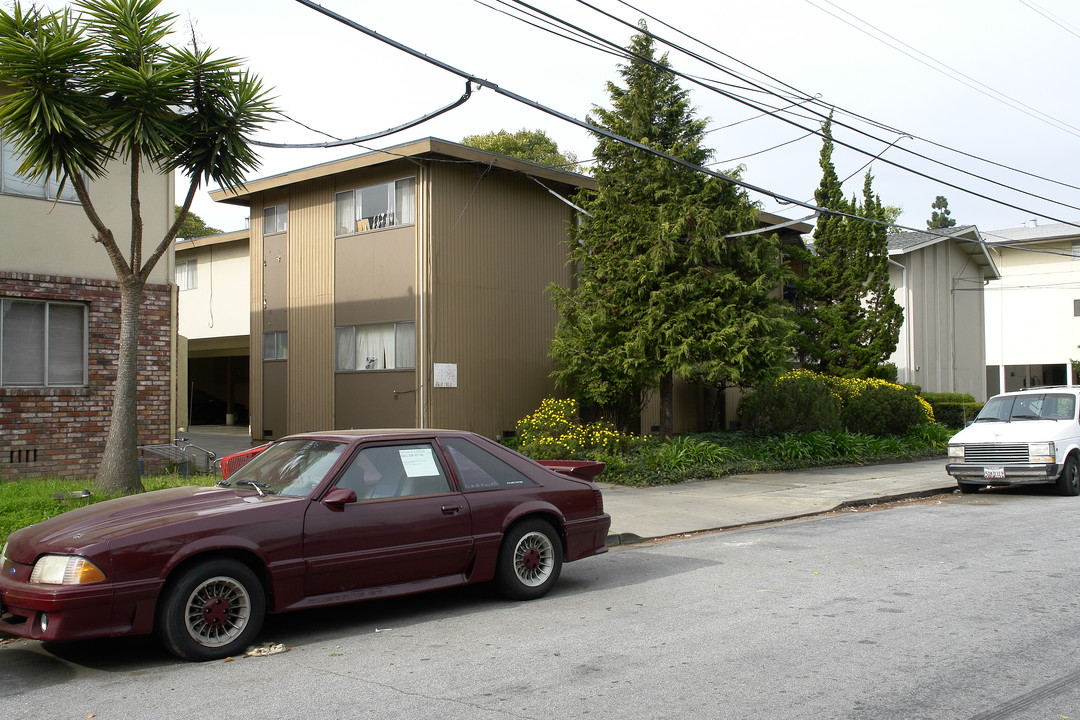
pixel 1023 437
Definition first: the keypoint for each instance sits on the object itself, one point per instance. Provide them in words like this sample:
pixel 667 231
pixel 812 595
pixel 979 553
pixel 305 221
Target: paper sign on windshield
pixel 418 462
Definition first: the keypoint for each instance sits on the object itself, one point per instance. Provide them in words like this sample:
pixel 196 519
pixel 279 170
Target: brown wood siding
pixel 497 240
pixel 255 361
pixel 311 307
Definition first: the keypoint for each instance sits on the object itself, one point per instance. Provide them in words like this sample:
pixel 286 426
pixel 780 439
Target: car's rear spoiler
pixel 580 469
pixel 232 463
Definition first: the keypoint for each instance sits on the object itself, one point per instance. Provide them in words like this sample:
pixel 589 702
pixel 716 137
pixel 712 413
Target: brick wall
pixel 60 432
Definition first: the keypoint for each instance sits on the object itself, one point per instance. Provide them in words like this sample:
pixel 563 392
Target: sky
pixel 985 86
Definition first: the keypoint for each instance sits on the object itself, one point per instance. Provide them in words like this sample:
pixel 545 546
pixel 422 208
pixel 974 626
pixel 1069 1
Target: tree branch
pixel 104 234
pixel 136 208
pixel 170 236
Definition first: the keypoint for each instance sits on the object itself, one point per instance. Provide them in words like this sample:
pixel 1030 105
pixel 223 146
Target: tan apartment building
pixel 405 288
pixel 60 319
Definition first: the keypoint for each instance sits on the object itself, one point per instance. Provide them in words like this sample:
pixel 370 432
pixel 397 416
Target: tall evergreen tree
pixel 940 215
pixel 660 290
pixel 849 320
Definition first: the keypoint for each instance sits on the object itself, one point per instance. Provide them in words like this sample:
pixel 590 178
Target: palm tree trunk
pixel 119 471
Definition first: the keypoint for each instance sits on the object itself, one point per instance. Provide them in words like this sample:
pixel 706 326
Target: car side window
pixel 477 469
pixel 395 471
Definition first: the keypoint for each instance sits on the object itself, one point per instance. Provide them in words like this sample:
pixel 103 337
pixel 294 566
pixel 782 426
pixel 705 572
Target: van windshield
pixel 1036 406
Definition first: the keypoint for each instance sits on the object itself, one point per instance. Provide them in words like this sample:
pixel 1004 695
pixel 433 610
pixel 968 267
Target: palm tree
pixel 96 83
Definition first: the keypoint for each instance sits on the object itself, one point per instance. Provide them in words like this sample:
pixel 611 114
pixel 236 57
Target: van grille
pixel 997 454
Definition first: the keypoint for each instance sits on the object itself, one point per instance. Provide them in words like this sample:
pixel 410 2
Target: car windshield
pixel 1035 406
pixel 291 467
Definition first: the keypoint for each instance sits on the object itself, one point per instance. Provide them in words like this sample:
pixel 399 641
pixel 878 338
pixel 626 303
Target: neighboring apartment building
pixel 213 281
pixel 1033 309
pixel 940 279
pixel 59 322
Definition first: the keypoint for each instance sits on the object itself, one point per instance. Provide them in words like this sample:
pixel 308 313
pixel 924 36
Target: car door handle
pixel 451 509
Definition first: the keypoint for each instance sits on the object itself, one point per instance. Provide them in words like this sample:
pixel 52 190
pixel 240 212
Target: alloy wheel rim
pixel 217 611
pixel 534 559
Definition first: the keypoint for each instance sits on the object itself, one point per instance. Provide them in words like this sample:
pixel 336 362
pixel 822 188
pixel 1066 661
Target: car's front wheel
pixel 530 560
pixel 212 610
pixel 1069 481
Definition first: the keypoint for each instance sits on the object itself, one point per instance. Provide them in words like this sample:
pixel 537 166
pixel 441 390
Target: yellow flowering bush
pixel 555 432
pixel 801 401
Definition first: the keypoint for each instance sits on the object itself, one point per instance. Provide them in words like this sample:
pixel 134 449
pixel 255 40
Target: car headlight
pixel 1041 452
pixel 956 451
pixel 65 570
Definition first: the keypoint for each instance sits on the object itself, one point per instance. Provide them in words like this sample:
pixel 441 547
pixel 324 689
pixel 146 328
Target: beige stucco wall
pixel 43 237
pixel 219 305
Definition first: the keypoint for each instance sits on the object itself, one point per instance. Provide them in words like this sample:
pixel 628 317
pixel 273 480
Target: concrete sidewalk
pixel 642 513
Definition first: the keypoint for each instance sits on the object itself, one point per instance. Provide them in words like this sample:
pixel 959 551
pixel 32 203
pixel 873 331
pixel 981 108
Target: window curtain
pixel 405 201
pixel 375 347
pixel 345 348
pixel 405 337
pixel 345 212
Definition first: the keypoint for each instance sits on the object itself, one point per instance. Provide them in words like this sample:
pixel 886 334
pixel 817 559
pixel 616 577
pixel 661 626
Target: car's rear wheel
pixel 1068 482
pixel 968 488
pixel 530 560
pixel 211 610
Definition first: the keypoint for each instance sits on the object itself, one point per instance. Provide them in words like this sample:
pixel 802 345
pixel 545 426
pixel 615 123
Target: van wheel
pixel 1069 481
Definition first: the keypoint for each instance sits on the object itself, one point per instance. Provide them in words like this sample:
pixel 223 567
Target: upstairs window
pixel 187 274
pixel 375 207
pixel 12 183
pixel 275 219
pixel 386 346
pixel 42 344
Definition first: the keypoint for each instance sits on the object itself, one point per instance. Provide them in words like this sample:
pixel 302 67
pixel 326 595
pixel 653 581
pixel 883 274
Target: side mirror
pixel 339 496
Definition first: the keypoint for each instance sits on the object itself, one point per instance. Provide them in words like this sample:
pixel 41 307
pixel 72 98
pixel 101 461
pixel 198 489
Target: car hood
pixel 1018 431
pixel 82 529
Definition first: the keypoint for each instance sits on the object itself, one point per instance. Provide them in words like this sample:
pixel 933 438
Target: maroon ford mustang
pixel 315 519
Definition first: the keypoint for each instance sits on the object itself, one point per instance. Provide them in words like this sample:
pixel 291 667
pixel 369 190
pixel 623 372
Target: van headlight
pixel 1042 452
pixel 956 451
pixel 65 570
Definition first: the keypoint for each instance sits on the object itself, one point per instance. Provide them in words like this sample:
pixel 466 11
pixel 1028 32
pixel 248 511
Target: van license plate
pixel 994 473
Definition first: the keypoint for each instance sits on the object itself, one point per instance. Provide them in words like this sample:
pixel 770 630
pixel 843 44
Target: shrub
pixel 554 432
pixel 882 408
pixel 797 401
pixel 956 414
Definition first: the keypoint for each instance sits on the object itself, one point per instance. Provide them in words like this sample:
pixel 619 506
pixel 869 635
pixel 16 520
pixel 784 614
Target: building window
pixel 1076 308
pixel 275 219
pixel 12 183
pixel 1076 249
pixel 386 346
pixel 375 206
pixel 187 274
pixel 42 343
pixel 275 345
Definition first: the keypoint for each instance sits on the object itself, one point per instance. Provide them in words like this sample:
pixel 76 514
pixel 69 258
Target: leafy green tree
pixel 97 83
pixel 193 226
pixel 940 215
pixel 660 289
pixel 532 145
pixel 849 320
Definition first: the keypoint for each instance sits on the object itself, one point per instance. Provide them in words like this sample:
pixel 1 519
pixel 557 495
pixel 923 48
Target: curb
pixel 620 539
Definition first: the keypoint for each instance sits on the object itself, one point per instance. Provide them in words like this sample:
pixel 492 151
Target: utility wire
pixel 987 90
pixel 1051 17
pixel 337 142
pixel 836 141
pixel 850 113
